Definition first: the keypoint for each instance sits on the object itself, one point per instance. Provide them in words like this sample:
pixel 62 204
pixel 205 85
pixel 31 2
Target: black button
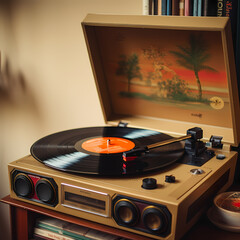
pixel 170 179
pixel 149 183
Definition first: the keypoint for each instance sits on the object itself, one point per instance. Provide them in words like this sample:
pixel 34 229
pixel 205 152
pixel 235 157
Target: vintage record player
pixel 168 91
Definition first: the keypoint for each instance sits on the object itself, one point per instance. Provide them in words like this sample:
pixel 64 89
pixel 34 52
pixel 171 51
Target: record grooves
pixel 98 151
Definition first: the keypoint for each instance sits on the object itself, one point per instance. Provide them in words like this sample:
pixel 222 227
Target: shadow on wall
pixel 11 86
pixel 14 91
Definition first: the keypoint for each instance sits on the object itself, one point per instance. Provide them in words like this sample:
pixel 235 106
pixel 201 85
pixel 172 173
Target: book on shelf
pixel 58 229
pixel 181 7
pixel 164 7
pixel 221 5
pixel 199 8
pixel 147 7
pixel 155 7
pixel 39 237
pixel 189 7
pixel 53 227
pixel 46 234
pixel 195 7
pixel 169 7
pixel 175 7
pixel 159 7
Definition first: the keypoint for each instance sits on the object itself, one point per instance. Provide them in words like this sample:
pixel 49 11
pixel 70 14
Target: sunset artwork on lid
pixel 164 73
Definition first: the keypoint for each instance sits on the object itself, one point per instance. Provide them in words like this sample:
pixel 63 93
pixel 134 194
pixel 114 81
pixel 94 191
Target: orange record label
pixel 108 145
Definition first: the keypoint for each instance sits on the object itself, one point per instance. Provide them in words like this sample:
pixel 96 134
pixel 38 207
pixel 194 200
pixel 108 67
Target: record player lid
pixel 167 73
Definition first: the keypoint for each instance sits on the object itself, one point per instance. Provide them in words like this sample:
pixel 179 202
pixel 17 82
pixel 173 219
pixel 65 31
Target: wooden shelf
pixel 23 216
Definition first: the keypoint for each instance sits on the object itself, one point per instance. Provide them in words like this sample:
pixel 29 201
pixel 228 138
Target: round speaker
pixel 154 219
pixel 45 191
pixel 23 185
pixel 125 212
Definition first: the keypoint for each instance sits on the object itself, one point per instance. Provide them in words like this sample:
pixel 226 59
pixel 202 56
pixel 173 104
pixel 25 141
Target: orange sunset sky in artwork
pixel 145 42
pixel 128 41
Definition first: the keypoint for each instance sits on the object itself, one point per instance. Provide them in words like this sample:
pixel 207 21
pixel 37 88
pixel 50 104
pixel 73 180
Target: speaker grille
pixel 142 215
pixel 35 187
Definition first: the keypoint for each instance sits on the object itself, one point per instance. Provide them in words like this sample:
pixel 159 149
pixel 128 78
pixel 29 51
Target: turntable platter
pixel 98 151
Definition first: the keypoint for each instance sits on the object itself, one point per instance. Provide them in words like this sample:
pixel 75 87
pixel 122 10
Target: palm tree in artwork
pixel 194 56
pixel 129 67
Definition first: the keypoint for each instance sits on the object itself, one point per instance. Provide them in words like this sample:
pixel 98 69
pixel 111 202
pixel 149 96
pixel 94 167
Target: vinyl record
pixel 98 151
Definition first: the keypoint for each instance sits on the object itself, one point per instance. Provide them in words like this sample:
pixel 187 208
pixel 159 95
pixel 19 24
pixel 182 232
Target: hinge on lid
pixel 122 124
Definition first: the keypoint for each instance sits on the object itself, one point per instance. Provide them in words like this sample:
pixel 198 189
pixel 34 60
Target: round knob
pixel 149 183
pixel 125 212
pixel 45 190
pixel 23 185
pixel 170 179
pixel 154 219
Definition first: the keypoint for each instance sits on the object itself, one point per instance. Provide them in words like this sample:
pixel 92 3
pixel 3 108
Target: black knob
pixel 154 219
pixel 45 191
pixel 125 212
pixel 23 185
pixel 149 183
pixel 220 156
pixel 170 179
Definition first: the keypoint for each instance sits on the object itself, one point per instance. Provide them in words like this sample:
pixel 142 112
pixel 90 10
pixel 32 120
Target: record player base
pixel 23 217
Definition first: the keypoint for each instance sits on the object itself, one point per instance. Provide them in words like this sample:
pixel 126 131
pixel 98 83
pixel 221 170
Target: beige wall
pixel 46 81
